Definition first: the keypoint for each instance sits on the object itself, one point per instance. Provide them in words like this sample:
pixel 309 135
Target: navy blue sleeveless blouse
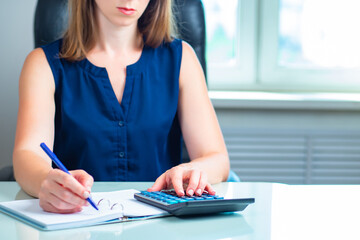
pixel 136 140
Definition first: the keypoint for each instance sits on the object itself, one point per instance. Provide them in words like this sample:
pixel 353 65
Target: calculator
pixel 194 205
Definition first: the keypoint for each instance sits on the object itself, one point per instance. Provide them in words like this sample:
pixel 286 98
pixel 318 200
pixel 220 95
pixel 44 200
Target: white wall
pixel 16 41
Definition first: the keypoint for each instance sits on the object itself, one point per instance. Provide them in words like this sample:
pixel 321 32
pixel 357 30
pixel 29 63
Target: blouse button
pixel 121 123
pixel 121 154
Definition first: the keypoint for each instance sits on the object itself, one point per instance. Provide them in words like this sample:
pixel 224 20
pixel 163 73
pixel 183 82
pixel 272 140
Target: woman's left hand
pixel 183 177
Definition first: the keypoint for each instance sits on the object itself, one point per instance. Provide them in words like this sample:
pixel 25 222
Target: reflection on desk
pixel 172 228
pixel 280 212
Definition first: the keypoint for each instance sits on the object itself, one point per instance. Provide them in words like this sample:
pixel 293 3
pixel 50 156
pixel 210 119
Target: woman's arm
pixel 201 132
pixel 58 191
pixel 35 122
pixel 199 124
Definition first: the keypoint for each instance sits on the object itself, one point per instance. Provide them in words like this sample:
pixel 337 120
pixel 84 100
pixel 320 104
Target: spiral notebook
pixel 116 206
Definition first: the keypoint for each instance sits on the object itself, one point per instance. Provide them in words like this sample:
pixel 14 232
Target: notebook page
pixel 31 211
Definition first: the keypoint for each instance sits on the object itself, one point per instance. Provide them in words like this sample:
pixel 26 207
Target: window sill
pixel 285 101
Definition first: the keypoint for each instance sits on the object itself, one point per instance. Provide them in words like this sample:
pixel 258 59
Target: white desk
pixel 280 212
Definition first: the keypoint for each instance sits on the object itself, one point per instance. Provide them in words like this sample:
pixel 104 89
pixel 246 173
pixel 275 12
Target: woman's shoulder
pixel 43 61
pixel 36 70
pixel 36 57
pixel 187 48
pixel 43 54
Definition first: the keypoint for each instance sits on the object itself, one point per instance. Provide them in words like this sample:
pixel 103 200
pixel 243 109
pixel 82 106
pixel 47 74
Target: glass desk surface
pixel 280 212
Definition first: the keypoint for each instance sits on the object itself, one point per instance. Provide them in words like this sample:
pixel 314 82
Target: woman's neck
pixel 115 40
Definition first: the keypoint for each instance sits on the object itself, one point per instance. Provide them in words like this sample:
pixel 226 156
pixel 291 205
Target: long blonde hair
pixel 156 24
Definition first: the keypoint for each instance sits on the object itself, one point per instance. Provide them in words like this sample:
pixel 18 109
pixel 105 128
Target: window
pixel 290 45
pixel 230 42
pixel 221 31
pixel 307 41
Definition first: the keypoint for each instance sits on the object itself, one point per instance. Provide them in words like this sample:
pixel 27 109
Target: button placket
pixel 121 150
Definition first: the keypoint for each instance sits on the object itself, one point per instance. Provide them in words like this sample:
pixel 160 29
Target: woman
pixel 114 97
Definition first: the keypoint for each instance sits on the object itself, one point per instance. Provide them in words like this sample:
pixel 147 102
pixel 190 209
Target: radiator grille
pixel 305 157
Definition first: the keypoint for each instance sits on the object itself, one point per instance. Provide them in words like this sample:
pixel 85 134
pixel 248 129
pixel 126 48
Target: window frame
pixel 256 67
pixel 222 77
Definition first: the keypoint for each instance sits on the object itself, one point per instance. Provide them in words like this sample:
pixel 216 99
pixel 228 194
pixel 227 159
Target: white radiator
pixel 294 157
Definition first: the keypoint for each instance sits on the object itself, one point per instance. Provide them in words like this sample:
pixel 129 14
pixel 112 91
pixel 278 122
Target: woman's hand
pixel 62 193
pixel 183 176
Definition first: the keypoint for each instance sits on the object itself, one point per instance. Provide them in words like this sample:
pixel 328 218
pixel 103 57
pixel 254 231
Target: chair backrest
pixel 7 173
pixel 51 19
pixel 190 20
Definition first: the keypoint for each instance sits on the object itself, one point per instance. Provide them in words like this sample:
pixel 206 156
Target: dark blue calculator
pixel 195 205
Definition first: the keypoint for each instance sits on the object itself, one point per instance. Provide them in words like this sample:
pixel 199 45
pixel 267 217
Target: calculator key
pixel 190 199
pixel 199 198
pixel 208 197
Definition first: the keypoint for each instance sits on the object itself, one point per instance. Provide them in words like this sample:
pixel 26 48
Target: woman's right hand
pixel 64 193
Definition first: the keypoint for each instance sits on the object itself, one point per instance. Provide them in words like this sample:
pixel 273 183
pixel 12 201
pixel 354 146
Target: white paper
pixel 30 211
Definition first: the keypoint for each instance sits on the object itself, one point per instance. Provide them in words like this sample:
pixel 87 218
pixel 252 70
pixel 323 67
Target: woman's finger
pixel 67 196
pixel 210 189
pixel 177 174
pixel 50 208
pixel 159 184
pixel 194 178
pixel 60 204
pixel 202 184
pixel 70 183
pixel 83 178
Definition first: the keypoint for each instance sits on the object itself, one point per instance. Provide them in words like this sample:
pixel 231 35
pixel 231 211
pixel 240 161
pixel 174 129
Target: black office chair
pixel 51 21
pixel 7 174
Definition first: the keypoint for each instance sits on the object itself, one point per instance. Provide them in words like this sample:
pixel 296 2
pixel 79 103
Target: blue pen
pixel 62 167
